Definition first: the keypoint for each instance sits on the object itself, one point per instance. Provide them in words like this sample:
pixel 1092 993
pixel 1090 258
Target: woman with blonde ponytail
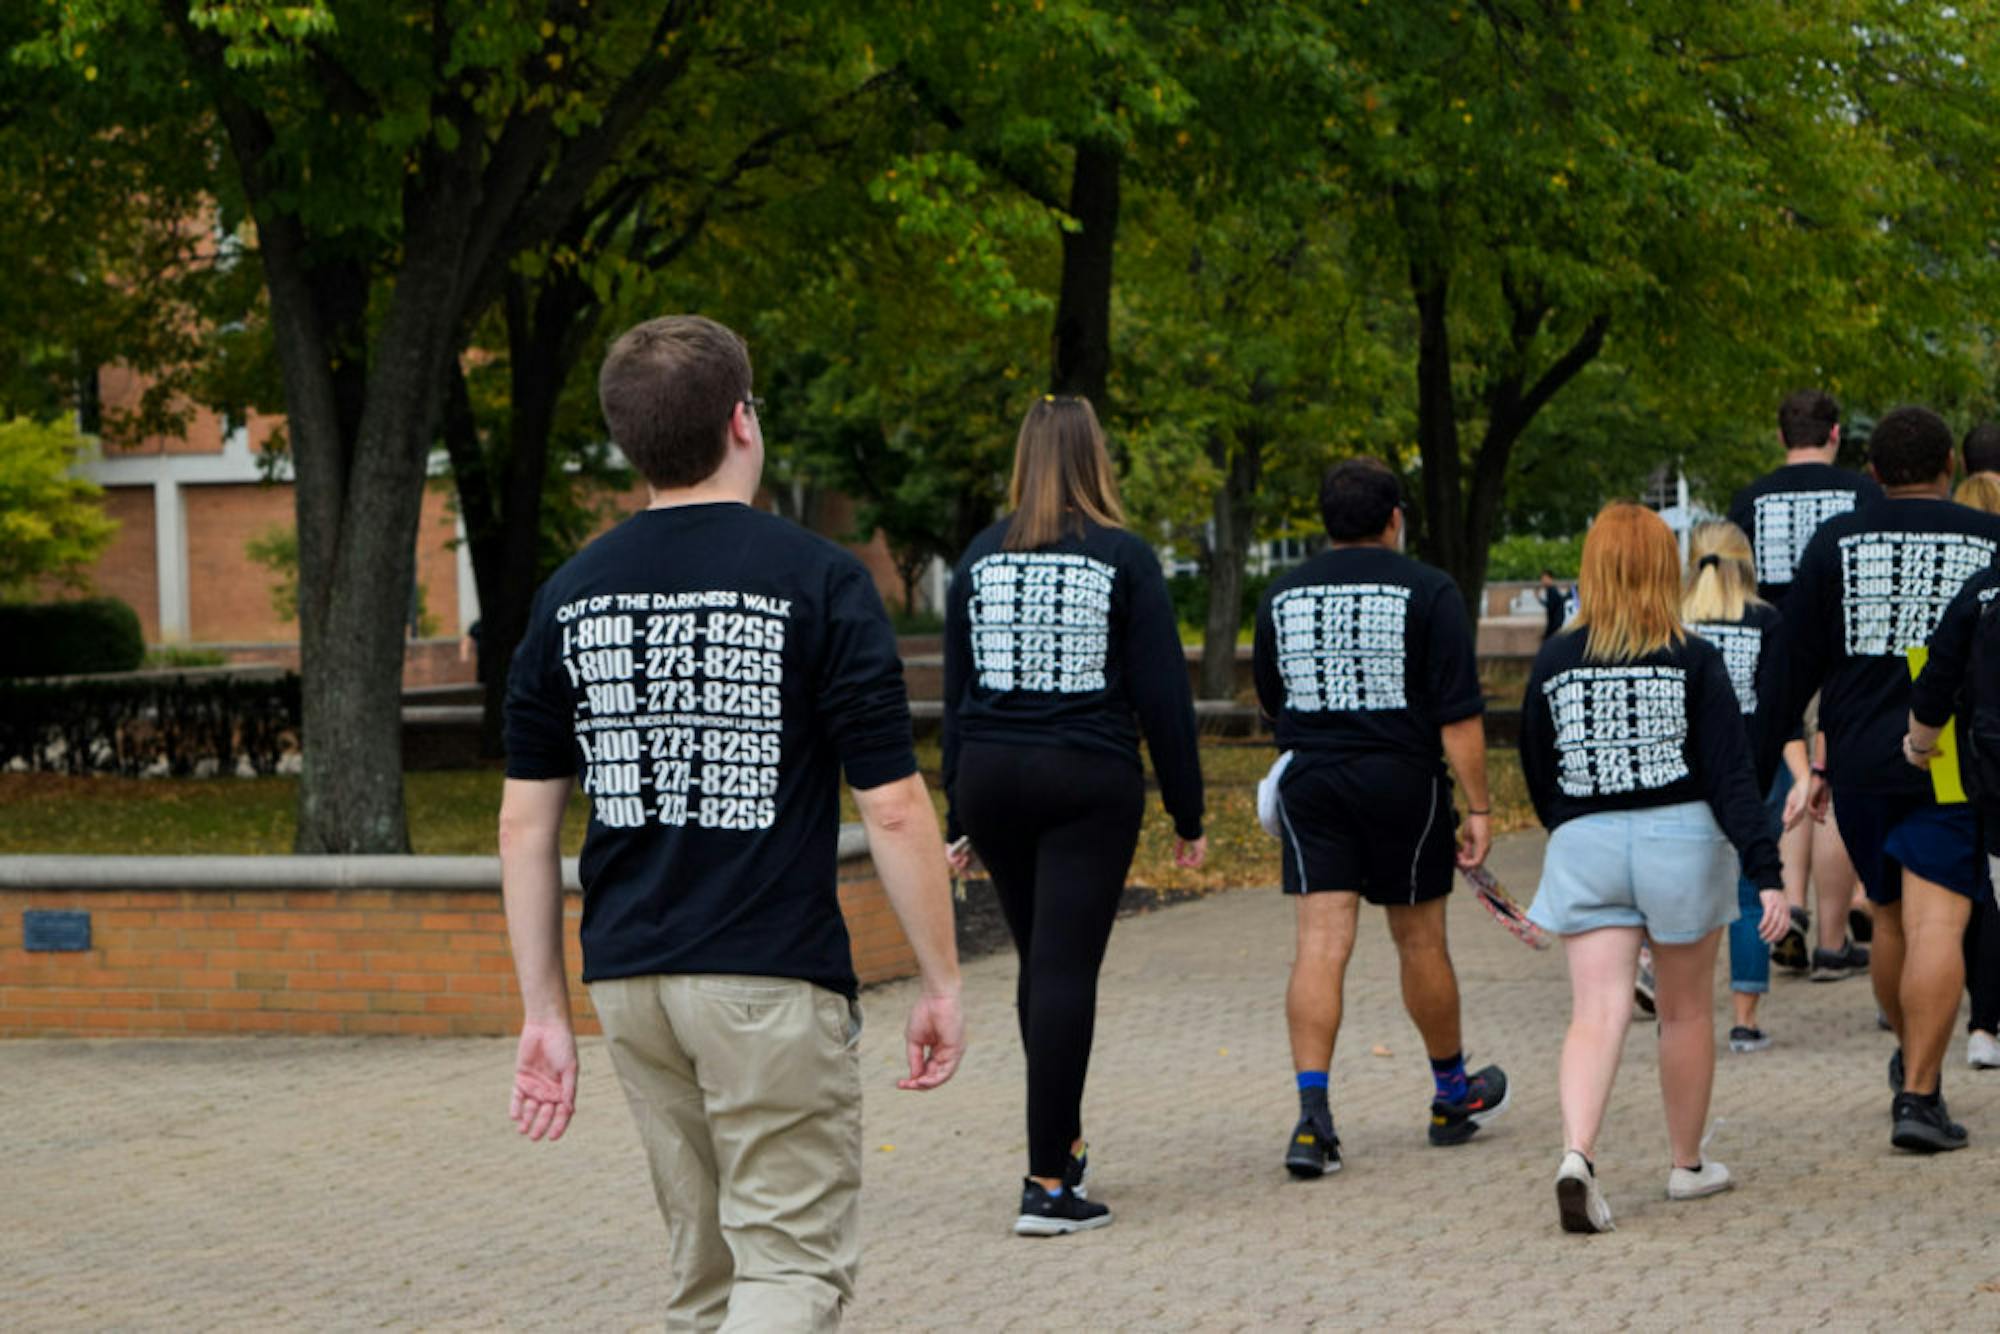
pixel 1721 605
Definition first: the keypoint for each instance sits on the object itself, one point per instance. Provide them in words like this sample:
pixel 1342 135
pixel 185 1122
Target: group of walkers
pixel 710 672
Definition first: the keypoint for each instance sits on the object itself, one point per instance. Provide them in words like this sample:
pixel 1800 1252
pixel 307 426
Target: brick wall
pixel 229 595
pixel 430 963
pixel 127 568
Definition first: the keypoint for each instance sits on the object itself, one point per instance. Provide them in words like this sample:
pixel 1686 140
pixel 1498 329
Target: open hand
pixel 1189 854
pixel 544 1080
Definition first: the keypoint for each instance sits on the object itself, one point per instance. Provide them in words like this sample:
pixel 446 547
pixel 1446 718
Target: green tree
pixel 1723 200
pixel 52 522
pixel 395 159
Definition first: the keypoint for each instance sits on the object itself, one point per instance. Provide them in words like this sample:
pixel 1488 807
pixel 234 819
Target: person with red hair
pixel 1636 758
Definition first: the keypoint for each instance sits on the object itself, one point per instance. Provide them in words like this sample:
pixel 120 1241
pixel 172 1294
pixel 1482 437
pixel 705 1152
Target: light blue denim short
pixel 1666 868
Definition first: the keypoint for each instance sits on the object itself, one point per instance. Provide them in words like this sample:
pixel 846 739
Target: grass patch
pixel 454 812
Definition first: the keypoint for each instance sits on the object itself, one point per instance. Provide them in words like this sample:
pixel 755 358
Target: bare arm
pixel 531 812
pixel 910 858
pixel 1465 747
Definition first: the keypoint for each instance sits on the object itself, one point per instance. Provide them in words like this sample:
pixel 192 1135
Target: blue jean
pixel 1749 956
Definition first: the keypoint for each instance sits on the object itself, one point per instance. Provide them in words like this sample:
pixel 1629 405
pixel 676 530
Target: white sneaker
pixel 1982 1051
pixel 1711 1178
pixel 1579 1202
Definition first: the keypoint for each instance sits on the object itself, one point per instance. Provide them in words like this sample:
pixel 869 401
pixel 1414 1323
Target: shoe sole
pixel 1027 1225
pixel 1573 1204
pixel 1762 1044
pixel 1922 1137
pixel 1306 1171
pixel 1825 974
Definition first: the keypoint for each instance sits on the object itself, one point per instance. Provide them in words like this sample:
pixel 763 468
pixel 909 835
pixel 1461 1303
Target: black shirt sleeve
pixel 539 715
pixel 1723 752
pixel 1264 662
pixel 1805 640
pixel 863 705
pixel 1156 675
pixel 1934 697
pixel 957 677
pixel 1453 669
pixel 1538 742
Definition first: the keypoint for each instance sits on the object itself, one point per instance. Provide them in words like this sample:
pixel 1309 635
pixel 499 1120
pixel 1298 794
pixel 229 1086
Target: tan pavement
pixel 270 1184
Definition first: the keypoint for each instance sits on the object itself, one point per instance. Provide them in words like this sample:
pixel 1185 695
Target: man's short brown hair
pixel 1807 418
pixel 668 389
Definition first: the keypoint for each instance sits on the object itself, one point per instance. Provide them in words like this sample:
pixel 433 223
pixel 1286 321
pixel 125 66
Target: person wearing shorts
pixel 1636 757
pixel 1364 661
pixel 1870 587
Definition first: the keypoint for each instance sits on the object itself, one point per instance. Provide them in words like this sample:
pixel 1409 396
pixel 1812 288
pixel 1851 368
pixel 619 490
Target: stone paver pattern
pixel 274 1184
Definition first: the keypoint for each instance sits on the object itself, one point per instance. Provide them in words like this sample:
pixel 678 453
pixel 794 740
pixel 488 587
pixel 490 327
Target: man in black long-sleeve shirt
pixel 709 672
pixel 1364 659
pixel 1871 586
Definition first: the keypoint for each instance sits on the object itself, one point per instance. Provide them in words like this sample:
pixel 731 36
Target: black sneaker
pixel 1832 965
pixel 1791 951
pixel 1896 1073
pixel 1485 1098
pixel 1923 1125
pixel 1745 1037
pixel 1046 1215
pixel 1314 1150
pixel 1861 924
pixel 1076 1174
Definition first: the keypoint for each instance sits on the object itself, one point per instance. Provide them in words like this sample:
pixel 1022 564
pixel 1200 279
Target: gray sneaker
pixel 1833 965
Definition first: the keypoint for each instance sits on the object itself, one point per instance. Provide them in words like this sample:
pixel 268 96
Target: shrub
pixel 1190 597
pixel 70 638
pixel 1525 556
pixel 128 727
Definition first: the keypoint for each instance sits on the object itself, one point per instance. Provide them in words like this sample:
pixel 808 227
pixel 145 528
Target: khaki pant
pixel 747 1094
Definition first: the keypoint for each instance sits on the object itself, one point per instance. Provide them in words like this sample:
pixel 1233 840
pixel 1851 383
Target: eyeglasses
pixel 754 403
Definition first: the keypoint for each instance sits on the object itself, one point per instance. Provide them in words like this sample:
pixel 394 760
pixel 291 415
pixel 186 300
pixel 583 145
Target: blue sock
pixel 1449 1075
pixel 1311 1079
pixel 1055 1192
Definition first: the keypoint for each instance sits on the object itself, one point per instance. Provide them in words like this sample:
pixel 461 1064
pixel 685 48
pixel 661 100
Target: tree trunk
pixel 1082 361
pixel 1234 521
pixel 1443 537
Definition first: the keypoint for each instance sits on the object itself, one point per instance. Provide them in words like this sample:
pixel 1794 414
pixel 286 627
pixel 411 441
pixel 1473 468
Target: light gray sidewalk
pixel 335 1184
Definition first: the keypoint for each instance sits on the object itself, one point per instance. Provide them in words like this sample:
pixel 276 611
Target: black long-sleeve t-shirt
pixel 1749 648
pixel 711 670
pixel 1871 586
pixel 1071 644
pixel 1940 690
pixel 1781 511
pixel 1361 650
pixel 1663 729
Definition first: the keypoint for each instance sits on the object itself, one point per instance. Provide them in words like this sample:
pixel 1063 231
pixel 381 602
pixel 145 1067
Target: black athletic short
pixel 1376 825
pixel 1884 834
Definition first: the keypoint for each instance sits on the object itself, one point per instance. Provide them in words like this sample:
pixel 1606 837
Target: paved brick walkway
pixel 342 1183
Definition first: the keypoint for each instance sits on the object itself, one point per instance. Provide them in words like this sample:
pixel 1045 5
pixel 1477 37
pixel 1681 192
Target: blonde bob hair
pixel 1062 475
pixel 1629 588
pixel 1981 491
pixel 1721 578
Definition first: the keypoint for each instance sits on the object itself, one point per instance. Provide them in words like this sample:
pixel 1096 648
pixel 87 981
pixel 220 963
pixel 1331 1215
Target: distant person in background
pixel 1635 755
pixel 1721 605
pixel 1553 604
pixel 1980 450
pixel 1060 648
pixel 1364 661
pixel 1779 513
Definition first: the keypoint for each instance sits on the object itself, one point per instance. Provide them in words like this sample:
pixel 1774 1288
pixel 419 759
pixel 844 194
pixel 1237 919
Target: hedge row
pixel 70 638
pixel 130 727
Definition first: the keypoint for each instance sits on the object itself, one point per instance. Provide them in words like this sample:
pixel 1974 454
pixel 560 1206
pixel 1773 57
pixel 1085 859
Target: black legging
pixel 1982 967
pixel 1056 828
